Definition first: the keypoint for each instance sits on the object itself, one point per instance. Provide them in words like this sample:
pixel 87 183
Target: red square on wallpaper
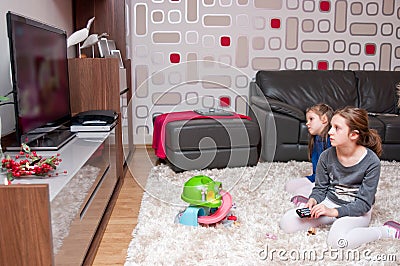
pixel 325 6
pixel 224 101
pixel 370 49
pixel 275 23
pixel 322 65
pixel 225 41
pixel 174 58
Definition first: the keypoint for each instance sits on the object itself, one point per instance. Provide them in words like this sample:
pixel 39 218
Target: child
pixel 318 120
pixel 346 182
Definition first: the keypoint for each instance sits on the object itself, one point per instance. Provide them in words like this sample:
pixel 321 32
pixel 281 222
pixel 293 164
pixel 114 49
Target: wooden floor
pixel 116 239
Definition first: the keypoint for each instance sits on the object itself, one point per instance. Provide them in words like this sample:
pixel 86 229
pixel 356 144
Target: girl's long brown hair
pixel 357 119
pixel 320 109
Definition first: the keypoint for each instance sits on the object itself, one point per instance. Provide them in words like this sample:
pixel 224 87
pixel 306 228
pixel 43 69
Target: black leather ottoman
pixel 211 143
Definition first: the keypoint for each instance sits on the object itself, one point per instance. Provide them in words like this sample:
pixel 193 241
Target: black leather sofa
pixel 278 100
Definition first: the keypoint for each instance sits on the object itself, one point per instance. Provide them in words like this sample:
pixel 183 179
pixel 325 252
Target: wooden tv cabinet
pixel 100 84
pixel 56 220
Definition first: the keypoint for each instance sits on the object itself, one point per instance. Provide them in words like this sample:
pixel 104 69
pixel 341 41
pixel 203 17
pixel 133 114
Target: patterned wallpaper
pixel 192 54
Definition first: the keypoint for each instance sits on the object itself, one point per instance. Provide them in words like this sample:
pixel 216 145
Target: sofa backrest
pixel 377 90
pixel 304 88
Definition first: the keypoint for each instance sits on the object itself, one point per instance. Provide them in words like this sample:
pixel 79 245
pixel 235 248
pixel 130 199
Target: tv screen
pixel 39 67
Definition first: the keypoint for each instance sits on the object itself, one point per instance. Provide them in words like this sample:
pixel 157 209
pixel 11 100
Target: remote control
pixel 303 212
pixel 213 111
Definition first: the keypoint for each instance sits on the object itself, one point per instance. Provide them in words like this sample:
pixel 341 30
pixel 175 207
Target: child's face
pixel 339 131
pixel 315 124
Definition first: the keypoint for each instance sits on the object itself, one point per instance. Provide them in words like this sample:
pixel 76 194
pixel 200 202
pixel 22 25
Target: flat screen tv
pixel 39 68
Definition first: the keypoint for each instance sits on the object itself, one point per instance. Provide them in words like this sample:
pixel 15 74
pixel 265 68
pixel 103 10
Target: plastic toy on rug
pixel 209 204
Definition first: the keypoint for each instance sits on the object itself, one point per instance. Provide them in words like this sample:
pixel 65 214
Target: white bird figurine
pixel 79 36
pixel 91 40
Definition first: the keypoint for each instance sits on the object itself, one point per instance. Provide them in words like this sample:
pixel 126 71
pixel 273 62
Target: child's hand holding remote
pixel 311 203
pixel 320 210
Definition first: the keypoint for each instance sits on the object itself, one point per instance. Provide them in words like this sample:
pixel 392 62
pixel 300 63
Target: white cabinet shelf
pixel 73 156
pixel 65 210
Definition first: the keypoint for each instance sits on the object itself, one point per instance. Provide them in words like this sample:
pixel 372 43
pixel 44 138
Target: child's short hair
pixel 320 109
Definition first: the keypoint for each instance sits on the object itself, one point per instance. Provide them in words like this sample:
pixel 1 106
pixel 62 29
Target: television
pixel 39 68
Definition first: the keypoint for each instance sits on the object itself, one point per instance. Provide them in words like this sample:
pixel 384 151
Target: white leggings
pixel 299 186
pixel 346 232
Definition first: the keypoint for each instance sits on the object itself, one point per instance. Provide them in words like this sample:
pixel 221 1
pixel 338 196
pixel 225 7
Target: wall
pixel 190 54
pixel 54 12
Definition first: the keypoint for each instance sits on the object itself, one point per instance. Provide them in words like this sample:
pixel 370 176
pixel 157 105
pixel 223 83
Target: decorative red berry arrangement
pixel 28 163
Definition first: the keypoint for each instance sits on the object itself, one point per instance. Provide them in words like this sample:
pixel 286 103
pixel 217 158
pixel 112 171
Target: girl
pixel 318 119
pixel 346 182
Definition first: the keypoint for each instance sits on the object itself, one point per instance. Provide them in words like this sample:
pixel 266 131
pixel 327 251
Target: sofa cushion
pixel 283 108
pixel 378 125
pixel 377 90
pixel 392 128
pixel 277 106
pixel 303 134
pixel 304 88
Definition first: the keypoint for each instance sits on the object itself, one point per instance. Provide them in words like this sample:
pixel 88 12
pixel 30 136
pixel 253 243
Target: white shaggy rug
pixel 260 199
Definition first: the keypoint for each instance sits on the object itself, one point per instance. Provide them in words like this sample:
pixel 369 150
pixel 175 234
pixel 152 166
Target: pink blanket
pixel 162 120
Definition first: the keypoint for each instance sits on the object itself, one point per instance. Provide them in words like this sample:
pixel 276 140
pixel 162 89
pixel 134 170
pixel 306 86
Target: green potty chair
pixel 199 191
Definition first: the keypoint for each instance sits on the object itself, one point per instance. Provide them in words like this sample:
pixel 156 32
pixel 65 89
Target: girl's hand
pixel 320 209
pixel 311 203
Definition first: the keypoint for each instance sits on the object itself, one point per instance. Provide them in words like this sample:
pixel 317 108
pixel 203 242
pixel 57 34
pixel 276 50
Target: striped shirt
pixel 353 188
